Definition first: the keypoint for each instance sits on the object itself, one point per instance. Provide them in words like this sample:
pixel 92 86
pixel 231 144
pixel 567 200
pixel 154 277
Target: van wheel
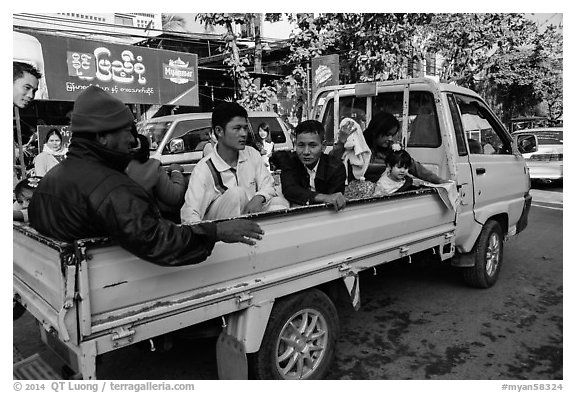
pixel 488 253
pixel 299 340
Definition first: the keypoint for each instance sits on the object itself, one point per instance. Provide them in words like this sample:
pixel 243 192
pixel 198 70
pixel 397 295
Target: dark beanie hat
pixel 97 111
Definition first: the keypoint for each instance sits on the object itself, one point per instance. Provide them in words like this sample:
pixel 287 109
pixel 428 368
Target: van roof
pixel 204 115
pixel 413 81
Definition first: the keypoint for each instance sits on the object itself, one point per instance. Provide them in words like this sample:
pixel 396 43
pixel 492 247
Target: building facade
pixel 121 28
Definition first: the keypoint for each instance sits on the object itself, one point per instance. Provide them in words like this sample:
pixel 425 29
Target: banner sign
pixel 325 71
pixel 133 74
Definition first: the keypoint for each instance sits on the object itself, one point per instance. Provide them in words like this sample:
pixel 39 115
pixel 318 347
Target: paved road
pixel 550 196
pixel 424 324
pixel 417 321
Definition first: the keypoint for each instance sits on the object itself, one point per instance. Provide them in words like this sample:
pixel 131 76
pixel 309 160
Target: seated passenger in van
pixel 233 179
pixel 379 136
pixel 395 178
pixel 474 146
pixel 309 175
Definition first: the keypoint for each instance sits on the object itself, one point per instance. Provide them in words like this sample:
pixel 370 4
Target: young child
pixel 23 193
pixel 395 178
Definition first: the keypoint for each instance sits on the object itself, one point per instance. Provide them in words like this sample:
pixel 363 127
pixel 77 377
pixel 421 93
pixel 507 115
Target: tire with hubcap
pixel 488 256
pixel 299 340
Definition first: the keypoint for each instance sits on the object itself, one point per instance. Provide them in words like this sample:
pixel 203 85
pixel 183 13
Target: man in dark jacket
pixel 89 195
pixel 308 175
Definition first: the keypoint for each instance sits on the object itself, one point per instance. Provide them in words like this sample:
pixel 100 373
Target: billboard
pixel 134 75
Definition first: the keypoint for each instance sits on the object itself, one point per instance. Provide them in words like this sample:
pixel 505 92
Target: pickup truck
pixel 276 299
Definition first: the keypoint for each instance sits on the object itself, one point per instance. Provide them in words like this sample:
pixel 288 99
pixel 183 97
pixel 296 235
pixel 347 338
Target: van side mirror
pixel 527 143
pixel 176 146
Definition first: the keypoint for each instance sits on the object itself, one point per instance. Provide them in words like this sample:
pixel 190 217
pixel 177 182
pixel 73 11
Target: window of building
pixel 123 20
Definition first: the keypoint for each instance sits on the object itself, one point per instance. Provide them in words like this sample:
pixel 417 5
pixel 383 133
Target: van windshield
pixel 155 132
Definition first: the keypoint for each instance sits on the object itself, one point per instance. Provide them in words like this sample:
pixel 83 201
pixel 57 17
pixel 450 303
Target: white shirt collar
pixel 312 174
pixel 221 165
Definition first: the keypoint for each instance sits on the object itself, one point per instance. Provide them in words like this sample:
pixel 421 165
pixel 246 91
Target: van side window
pixel 349 107
pixel 422 117
pixel 483 132
pixel 355 109
pixel 194 134
pixel 328 122
pixel 194 140
pixel 458 129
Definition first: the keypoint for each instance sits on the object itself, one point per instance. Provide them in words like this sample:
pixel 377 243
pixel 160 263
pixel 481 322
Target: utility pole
pixel 257 19
pixel 308 89
pixel 20 145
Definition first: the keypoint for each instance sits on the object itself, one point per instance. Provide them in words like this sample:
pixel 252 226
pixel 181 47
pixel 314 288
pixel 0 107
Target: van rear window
pixel 422 118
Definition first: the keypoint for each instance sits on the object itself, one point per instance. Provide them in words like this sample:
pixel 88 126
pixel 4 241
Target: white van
pixel 181 138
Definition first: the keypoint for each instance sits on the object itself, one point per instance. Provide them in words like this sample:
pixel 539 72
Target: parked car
pixel 181 138
pixel 543 150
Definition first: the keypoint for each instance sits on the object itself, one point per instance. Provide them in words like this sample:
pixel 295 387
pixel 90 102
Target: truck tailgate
pixel 38 268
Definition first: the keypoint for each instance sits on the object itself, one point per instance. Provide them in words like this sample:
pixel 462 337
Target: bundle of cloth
pixel 357 154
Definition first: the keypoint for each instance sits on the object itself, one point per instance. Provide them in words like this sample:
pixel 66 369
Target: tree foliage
pixel 375 46
pixel 173 23
pixel 502 56
pixel 252 97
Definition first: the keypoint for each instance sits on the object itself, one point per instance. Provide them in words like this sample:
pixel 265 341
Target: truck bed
pixel 302 247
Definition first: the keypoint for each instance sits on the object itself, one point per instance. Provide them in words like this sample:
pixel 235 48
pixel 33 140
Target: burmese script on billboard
pixel 133 74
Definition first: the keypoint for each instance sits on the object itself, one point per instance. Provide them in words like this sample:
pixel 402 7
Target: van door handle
pixel 480 171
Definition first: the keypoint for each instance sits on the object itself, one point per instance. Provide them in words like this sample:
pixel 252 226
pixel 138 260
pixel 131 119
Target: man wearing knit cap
pixel 89 195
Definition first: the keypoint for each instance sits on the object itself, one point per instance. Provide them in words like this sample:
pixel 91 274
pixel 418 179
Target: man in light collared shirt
pixel 233 179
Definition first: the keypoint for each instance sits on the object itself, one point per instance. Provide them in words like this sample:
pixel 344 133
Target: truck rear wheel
pixel 488 253
pixel 299 340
